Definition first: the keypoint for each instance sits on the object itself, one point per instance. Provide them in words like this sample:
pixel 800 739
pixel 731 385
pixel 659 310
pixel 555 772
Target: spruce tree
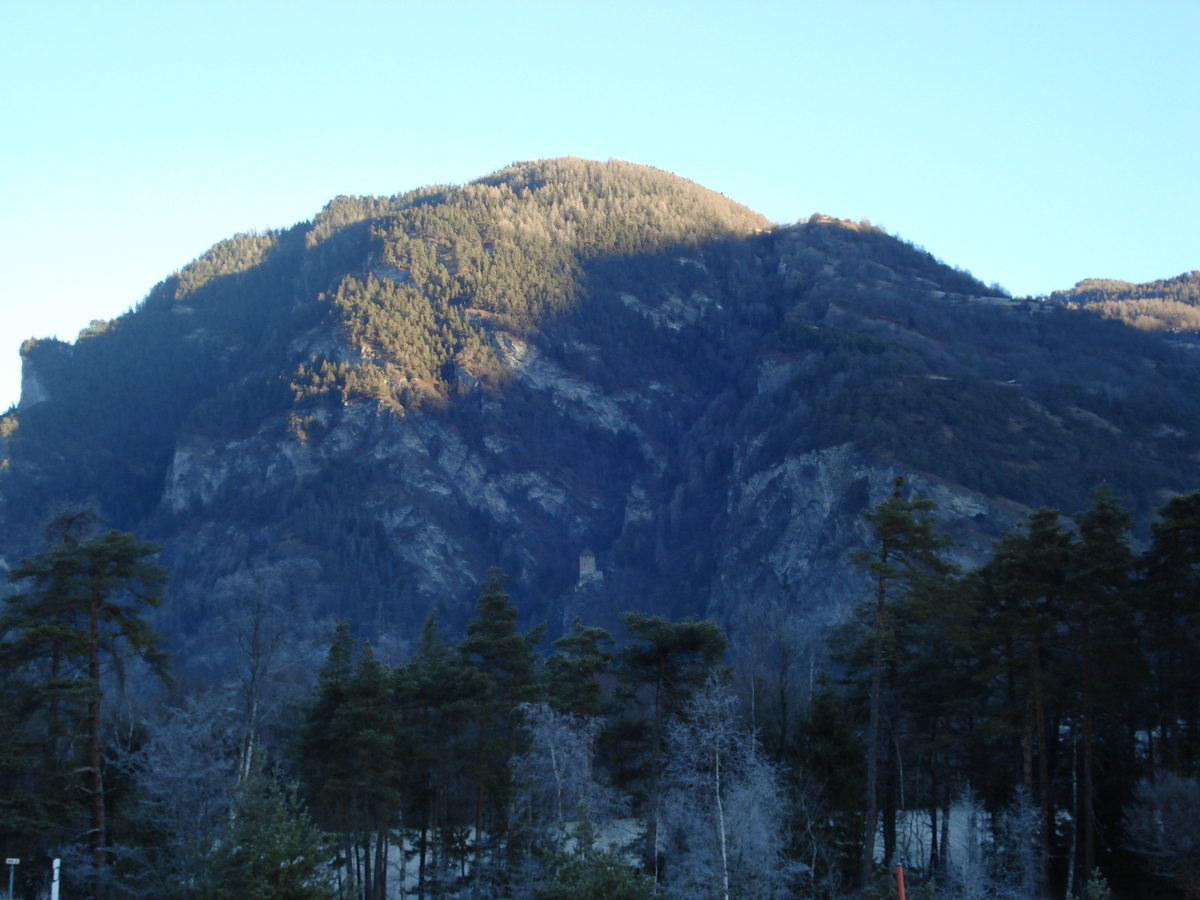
pixel 272 850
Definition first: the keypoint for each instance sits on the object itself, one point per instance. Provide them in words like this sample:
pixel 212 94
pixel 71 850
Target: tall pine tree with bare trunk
pixel 904 561
pixel 78 615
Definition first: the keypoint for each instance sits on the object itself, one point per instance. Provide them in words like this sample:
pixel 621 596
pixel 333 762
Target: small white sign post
pixel 12 862
pixel 54 879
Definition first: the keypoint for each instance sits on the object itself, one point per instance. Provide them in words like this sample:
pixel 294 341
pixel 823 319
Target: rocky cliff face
pixel 792 529
pixel 33 390
pixel 441 508
pixel 388 401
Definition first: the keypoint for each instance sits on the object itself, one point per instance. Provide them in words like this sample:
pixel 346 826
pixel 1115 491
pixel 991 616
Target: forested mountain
pixel 1172 304
pixel 743 449
pixel 569 355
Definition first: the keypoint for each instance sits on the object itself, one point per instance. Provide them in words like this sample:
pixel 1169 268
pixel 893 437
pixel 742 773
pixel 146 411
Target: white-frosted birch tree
pixel 1163 827
pixel 725 815
pixel 995 857
pixel 569 820
pixel 181 777
pixel 554 780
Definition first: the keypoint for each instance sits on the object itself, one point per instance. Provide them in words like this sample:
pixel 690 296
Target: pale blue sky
pixel 1032 143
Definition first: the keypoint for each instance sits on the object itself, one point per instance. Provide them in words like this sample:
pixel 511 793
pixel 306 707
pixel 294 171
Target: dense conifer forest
pixel 997 726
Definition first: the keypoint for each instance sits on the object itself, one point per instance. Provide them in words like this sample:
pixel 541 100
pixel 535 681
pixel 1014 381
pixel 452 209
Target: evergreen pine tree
pixel 583 655
pixel 1020 628
pixel 1171 588
pixel 1100 621
pixel 503 674
pixel 430 691
pixel 272 850
pixel 349 756
pixel 904 563
pixel 78 614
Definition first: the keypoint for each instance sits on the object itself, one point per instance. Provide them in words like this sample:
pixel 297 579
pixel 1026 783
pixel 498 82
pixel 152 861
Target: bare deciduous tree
pixel 554 780
pixel 1163 826
pixel 996 857
pixel 724 808
pixel 181 778
pixel 267 635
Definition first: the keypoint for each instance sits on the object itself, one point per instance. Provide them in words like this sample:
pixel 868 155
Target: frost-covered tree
pixel 1015 861
pixel 996 857
pixel 725 816
pixel 562 814
pixel 265 645
pixel 554 781
pixel 1163 827
pixel 201 826
pixel 181 778
pixel 966 874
